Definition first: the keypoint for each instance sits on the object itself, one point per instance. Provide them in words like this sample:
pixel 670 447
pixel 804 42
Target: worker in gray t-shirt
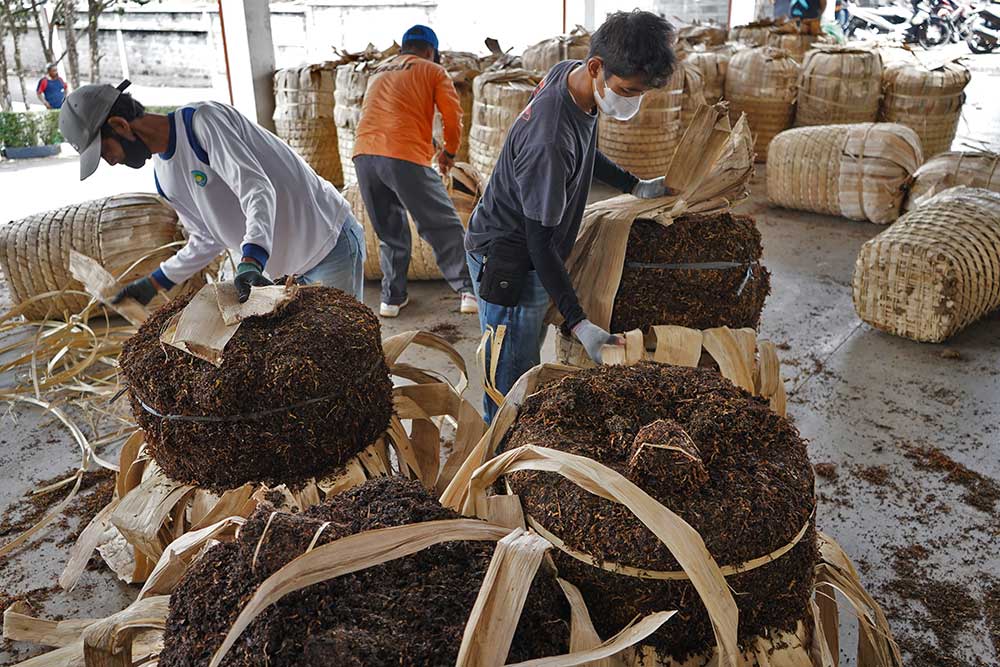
pixel 524 228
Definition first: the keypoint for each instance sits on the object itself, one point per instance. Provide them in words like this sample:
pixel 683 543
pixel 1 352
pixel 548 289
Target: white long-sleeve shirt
pixel 235 185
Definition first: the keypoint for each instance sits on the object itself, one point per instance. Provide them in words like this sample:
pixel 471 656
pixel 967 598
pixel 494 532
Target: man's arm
pixel 606 171
pixel 552 272
pixel 40 92
pixel 448 103
pixel 194 256
pixel 243 172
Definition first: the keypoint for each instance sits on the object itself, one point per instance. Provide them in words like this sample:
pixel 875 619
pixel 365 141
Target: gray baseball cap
pixel 82 115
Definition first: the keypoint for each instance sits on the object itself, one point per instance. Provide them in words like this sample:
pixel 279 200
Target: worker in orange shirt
pixel 392 156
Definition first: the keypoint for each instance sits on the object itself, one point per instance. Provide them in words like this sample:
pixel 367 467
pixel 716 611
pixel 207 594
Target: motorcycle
pixel 957 13
pixel 914 24
pixel 984 30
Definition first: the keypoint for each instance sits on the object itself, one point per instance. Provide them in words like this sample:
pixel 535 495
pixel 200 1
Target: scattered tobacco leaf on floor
pixel 696 298
pixel 951 354
pixel 408 612
pixel 878 475
pixel 991 605
pixel 981 492
pixel 826 470
pixel 448 331
pixel 738 473
pixel 949 606
pixel 321 345
pixel 29 510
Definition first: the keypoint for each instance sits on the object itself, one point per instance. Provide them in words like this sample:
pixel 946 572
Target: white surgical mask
pixel 617 106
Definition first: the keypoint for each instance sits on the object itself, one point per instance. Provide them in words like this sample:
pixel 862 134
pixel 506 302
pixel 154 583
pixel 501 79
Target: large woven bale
pixel 929 100
pixel 712 65
pixel 934 272
pixel 752 34
pixel 857 171
pixel 947 170
pixel 352 81
pixel 303 116
pixel 542 56
pixel 796 44
pixel 645 144
pixel 762 82
pixel 694 94
pixel 839 84
pixel 465 188
pixel 704 34
pixel 116 231
pixel 499 96
pixel 462 68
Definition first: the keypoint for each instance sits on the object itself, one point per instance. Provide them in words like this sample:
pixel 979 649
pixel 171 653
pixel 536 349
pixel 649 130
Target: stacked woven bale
pixel 707 35
pixel 752 34
pixel 694 94
pixel 462 68
pixel 797 37
pixel 465 187
pixel 542 56
pixel 839 84
pixel 927 99
pixel 407 611
pixel 936 270
pixel 858 171
pixel 349 95
pixel 117 231
pixel 712 65
pixel 499 96
pixel 979 169
pixel 645 144
pixel 303 116
pixel 762 82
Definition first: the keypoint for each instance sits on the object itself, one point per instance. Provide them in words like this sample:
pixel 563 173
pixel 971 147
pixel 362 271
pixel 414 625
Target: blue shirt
pixel 54 91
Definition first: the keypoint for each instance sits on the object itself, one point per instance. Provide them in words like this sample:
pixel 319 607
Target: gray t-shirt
pixel 544 170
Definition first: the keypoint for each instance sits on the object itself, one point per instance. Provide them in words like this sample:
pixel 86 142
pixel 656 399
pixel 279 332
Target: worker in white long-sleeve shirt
pixel 233 184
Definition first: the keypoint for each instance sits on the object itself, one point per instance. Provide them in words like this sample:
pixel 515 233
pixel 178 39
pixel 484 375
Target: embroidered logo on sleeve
pixel 200 178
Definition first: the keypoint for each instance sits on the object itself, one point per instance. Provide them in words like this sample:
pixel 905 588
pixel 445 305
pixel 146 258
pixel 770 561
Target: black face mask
pixel 136 151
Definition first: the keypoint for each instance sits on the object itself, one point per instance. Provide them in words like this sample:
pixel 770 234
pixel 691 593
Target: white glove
pixel 652 188
pixel 593 338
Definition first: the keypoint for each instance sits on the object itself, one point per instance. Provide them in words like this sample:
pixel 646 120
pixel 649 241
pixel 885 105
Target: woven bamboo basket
pixel 934 272
pixel 796 44
pixel 303 116
pixel 947 170
pixel 929 100
pixel 705 34
pixel 499 96
pixel 465 187
pixel 694 94
pixel 752 34
pixel 462 68
pixel 115 231
pixel 542 56
pixel 839 84
pixel 645 144
pixel 351 83
pixel 858 171
pixel 712 66
pixel 762 82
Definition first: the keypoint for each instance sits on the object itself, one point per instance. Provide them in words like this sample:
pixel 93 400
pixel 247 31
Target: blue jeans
pixel 344 266
pixel 522 345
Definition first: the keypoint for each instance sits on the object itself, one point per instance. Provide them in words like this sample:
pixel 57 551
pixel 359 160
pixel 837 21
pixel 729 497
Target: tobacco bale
pixel 695 298
pixel 757 496
pixel 321 344
pixel 410 611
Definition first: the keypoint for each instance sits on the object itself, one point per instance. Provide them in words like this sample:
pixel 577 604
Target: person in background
pixel 393 150
pixel 52 90
pixel 524 228
pixel 806 9
pixel 233 185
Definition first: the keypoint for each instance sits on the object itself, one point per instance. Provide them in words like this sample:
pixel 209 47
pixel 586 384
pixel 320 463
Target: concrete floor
pixel 856 394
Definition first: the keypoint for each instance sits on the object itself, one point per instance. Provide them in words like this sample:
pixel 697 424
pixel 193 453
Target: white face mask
pixel 617 106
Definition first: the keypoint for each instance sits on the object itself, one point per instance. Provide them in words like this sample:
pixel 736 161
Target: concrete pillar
pixel 251 58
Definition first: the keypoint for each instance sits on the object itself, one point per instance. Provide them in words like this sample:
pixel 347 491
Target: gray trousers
pixel 390 188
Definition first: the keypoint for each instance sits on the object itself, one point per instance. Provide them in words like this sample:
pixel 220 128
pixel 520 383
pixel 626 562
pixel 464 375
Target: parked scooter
pixel 984 30
pixel 910 24
pixel 957 13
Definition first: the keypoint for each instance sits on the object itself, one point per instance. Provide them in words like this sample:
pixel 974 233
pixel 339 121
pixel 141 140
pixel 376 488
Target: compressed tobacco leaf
pixel 695 298
pixel 407 612
pixel 323 343
pixel 746 486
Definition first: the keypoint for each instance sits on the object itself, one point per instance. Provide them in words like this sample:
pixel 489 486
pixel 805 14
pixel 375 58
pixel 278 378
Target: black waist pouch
pixel 505 271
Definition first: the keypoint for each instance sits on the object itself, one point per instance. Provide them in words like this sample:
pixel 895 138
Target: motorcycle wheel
pixel 934 33
pixel 979 45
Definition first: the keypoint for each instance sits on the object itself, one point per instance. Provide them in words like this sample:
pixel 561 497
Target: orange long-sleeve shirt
pixel 397 116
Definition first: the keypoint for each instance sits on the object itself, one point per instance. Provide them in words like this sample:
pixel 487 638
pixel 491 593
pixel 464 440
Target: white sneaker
pixel 388 310
pixel 470 305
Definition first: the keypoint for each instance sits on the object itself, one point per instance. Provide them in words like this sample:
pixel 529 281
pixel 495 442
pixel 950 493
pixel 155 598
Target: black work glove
pixel 248 274
pixel 142 290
